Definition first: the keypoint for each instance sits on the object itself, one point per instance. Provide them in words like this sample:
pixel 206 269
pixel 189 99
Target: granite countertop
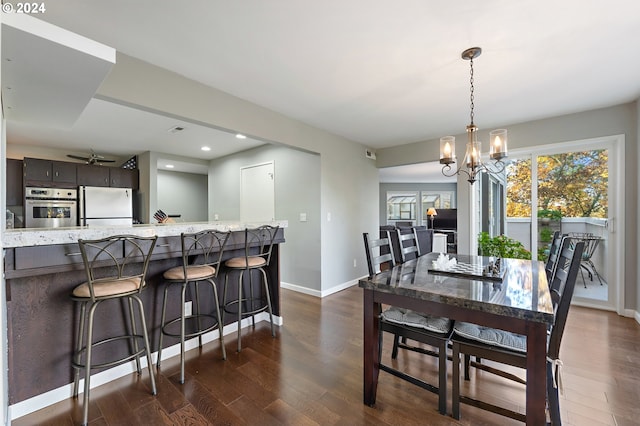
pixel 24 237
pixel 523 293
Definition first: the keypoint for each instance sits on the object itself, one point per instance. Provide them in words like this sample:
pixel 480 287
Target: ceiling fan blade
pixel 92 159
pixel 77 157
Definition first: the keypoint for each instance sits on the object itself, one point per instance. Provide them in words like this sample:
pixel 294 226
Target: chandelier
pixel 472 156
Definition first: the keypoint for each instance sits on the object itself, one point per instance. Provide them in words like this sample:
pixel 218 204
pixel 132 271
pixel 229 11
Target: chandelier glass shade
pixel 473 163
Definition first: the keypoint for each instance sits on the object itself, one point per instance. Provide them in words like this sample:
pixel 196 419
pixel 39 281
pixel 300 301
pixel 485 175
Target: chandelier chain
pixel 471 98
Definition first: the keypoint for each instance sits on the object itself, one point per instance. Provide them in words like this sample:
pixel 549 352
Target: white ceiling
pixel 379 72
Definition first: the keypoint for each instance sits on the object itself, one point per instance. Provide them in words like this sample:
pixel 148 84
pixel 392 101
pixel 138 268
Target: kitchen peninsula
pixel 42 266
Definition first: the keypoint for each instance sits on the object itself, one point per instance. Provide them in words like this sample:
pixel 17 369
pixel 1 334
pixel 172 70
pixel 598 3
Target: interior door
pixel 257 193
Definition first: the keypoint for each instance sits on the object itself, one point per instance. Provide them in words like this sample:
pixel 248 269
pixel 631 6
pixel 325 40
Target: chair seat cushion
pixel 193 272
pixel 414 319
pixel 107 288
pixel 491 336
pixel 241 262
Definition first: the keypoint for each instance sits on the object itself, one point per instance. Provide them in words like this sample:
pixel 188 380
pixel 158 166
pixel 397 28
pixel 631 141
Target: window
pixel 404 206
pixel 401 206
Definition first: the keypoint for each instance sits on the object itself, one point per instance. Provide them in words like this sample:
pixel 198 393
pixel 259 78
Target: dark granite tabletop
pixel 518 290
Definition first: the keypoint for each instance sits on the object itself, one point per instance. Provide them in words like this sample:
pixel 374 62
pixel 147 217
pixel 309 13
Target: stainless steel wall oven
pixel 50 207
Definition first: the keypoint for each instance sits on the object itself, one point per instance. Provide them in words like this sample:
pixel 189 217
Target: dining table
pixel 503 293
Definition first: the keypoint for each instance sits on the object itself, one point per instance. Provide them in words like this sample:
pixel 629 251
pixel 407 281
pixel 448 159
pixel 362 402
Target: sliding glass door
pixel 567 188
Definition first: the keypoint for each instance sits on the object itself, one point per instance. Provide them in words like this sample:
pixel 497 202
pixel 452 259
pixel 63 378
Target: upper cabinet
pixel 38 172
pixel 56 173
pixel 107 176
pixel 123 178
pixel 93 175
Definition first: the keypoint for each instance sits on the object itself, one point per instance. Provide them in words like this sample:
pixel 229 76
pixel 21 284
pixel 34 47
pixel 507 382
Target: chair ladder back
pixel 411 247
pixel 554 252
pixel 564 284
pixel 371 246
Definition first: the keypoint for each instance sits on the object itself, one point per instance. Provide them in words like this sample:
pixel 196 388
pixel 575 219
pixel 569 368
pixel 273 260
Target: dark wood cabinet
pixel 14 182
pixel 107 176
pixel 37 171
pixel 64 172
pixel 93 175
pixel 123 178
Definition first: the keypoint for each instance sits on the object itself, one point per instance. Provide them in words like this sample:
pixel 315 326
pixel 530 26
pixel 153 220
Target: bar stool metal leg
pixel 147 346
pixel 201 257
pixel 134 333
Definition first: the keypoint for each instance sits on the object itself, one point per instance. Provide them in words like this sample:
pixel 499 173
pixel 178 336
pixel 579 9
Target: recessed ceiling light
pixel 169 166
pixel 205 148
pixel 240 136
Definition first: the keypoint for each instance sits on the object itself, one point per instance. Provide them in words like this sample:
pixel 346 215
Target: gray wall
pixel 637 210
pixel 348 180
pixel 620 119
pixel 185 194
pixel 297 190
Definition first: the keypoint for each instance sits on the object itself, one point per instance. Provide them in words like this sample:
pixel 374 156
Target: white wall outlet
pixel 216 217
pixel 303 217
pixel 188 308
pixel 329 217
pixel 355 263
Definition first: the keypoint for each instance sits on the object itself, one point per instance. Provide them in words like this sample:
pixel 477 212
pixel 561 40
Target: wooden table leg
pixel 371 347
pixel 536 373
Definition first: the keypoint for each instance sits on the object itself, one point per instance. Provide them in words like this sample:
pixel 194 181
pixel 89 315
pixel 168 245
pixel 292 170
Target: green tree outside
pixel 574 183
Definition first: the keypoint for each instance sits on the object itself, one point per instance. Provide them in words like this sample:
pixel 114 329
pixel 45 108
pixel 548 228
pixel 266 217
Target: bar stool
pixel 201 256
pixel 258 244
pixel 116 267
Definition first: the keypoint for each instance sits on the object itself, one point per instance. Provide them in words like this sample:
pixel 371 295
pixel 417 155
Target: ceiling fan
pixel 92 158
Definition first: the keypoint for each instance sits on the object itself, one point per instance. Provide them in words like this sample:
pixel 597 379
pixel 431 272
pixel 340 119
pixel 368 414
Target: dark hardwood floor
pixel 311 374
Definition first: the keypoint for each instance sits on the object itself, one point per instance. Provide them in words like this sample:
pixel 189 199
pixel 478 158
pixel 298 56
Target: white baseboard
pixel 637 317
pixel 53 396
pixel 319 293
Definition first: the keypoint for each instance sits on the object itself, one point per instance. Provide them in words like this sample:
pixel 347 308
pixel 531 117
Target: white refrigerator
pixel 102 206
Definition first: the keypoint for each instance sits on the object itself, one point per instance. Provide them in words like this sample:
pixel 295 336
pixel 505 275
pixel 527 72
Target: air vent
pixel 176 129
pixel 369 153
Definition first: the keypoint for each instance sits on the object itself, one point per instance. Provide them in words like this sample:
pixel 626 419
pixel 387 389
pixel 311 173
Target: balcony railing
pixel 520 229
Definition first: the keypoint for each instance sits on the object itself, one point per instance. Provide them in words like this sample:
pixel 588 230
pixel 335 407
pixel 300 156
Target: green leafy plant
pixel 546 234
pixel 543 253
pixel 501 246
pixel 550 214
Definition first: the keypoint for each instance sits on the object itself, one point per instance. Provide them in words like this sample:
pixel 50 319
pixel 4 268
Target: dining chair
pixel 116 269
pixel 510 348
pixel 408 245
pixel 201 257
pixel 407 324
pixel 554 251
pixel 424 239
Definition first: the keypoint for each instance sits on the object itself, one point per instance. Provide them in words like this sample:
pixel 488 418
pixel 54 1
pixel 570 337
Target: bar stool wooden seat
pixel 201 256
pixel 116 268
pixel 258 244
